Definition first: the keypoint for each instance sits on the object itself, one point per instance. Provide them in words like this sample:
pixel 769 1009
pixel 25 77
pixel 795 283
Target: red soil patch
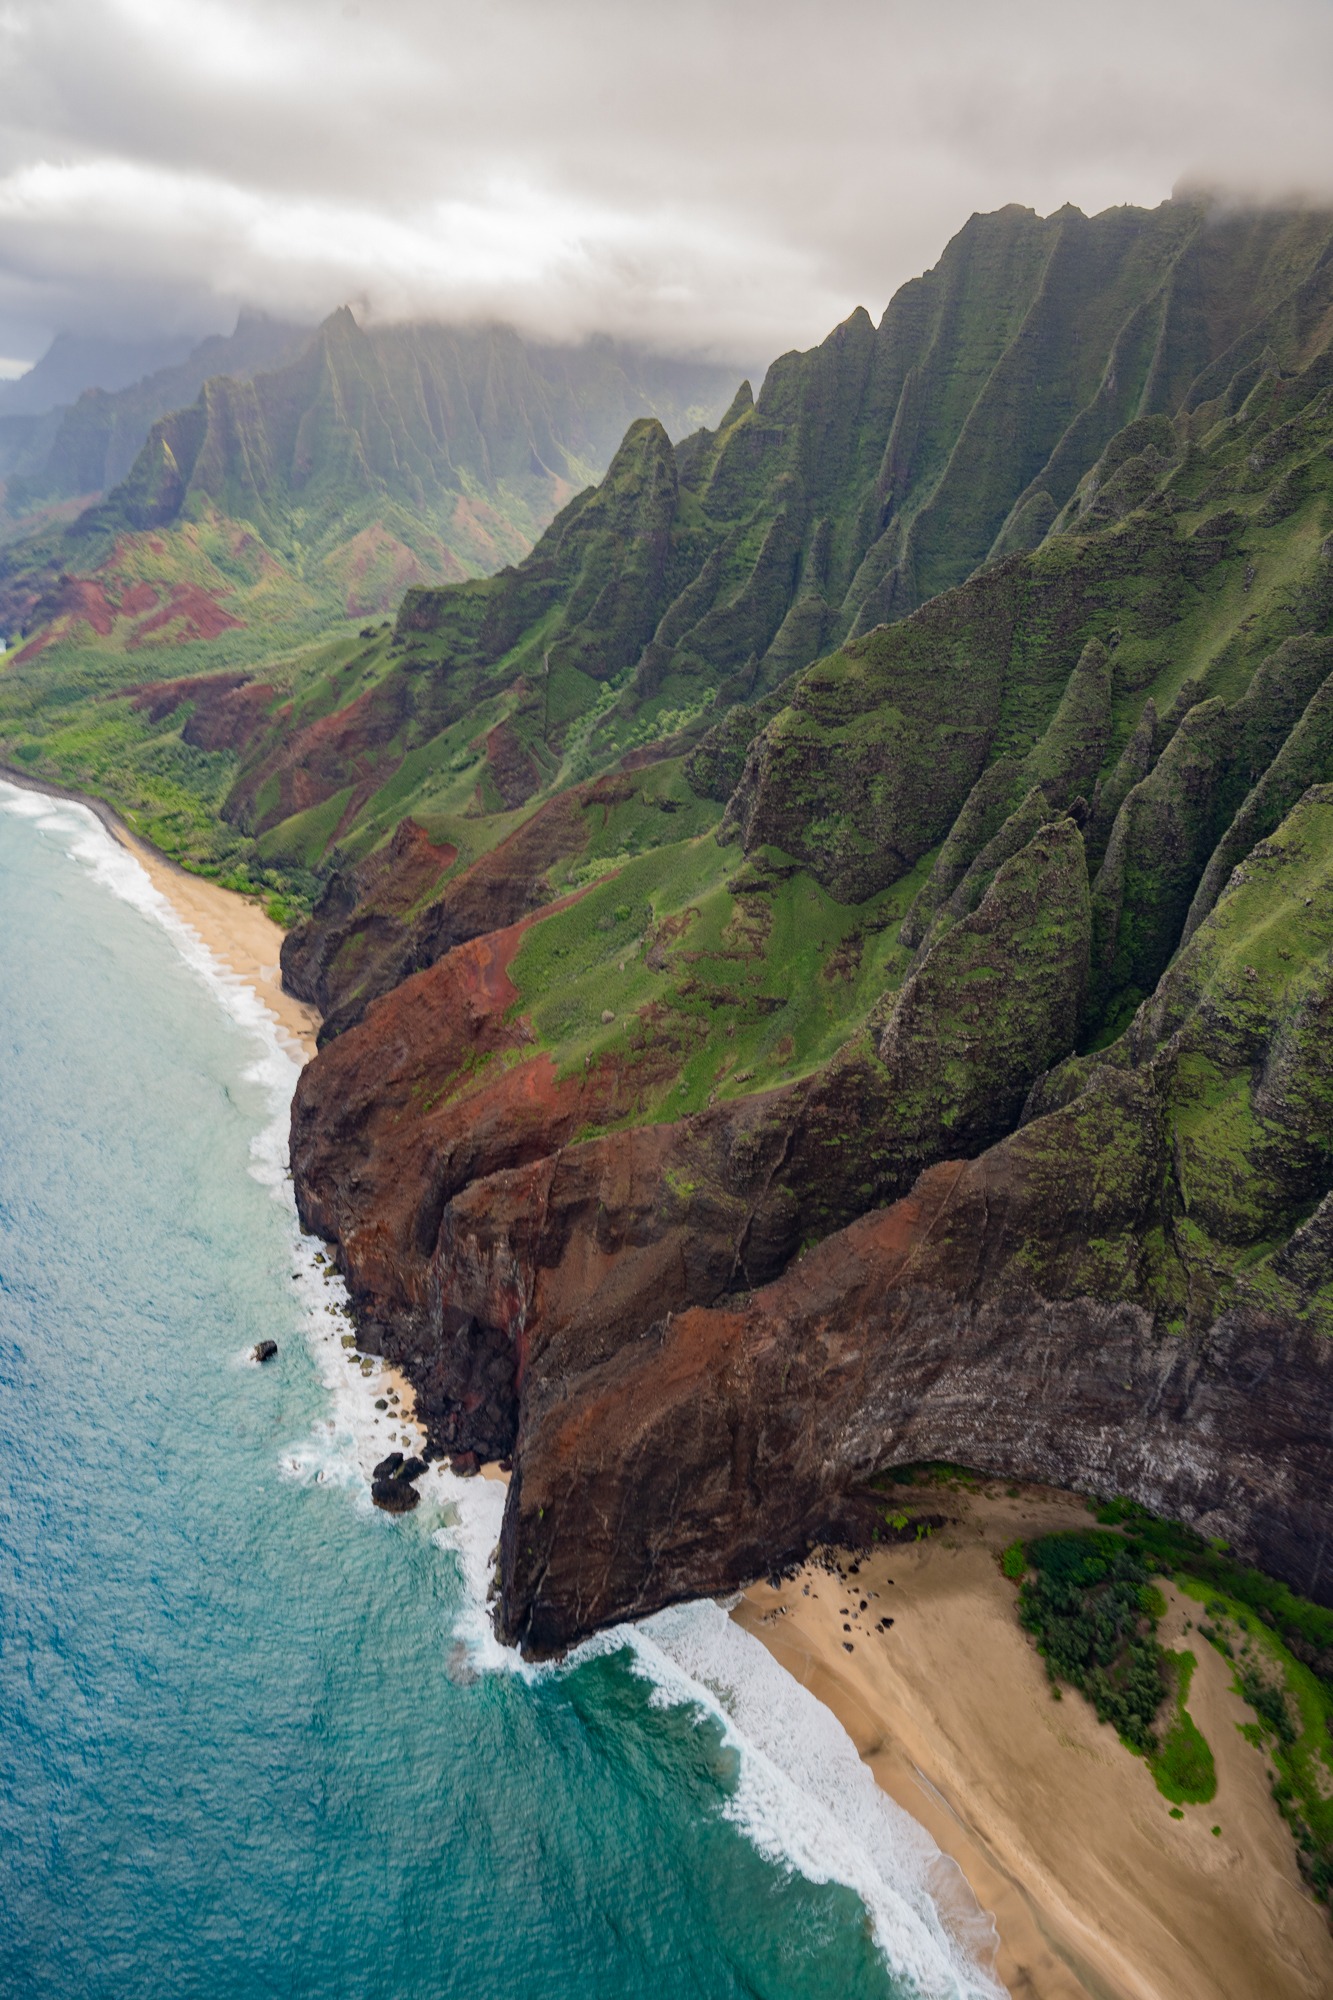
pixel 398 877
pixel 82 599
pixel 379 568
pixel 77 600
pixel 394 1091
pixel 192 613
pixel 228 708
pixel 140 597
pixel 327 754
pixel 157 699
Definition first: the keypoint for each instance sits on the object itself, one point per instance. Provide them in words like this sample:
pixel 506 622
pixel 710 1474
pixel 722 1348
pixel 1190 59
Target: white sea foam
pixel 803 1797
pixel 806 1800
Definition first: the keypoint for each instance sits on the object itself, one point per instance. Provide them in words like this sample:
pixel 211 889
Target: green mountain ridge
pixel 782 523
pixel 57 460
pixel 369 459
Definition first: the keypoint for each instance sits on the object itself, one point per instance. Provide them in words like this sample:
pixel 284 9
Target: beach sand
pixel 1098 1894
pixel 235 928
pixel 1059 1829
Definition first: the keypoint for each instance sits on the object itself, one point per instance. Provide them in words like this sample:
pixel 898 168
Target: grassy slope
pixel 870 471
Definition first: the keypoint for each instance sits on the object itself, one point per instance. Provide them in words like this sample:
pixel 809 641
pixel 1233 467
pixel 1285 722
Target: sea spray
pixel 801 1796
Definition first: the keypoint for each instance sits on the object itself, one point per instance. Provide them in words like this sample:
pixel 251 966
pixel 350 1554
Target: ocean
pixel 257 1738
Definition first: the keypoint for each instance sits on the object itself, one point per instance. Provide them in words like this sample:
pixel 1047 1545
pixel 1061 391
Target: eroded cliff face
pixel 957 1083
pixel 724 1441
pixel 1088 1303
pixel 440 1148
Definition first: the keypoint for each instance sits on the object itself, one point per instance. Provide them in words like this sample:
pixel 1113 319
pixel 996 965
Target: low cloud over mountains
pixel 723 178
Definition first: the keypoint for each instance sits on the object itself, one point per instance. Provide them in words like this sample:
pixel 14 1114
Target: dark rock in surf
pixel 391 1483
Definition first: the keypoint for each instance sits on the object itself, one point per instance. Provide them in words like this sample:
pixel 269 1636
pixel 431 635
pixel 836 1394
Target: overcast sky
pixel 724 176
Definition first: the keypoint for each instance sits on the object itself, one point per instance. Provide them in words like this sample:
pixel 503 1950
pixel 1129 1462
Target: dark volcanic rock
pixel 687 1462
pixel 391 1483
pixel 1081 1305
pixel 478 1238
pixel 264 1350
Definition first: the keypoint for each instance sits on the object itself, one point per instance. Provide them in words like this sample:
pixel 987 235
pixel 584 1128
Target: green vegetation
pixel 1183 1764
pixel 88 446
pixel 266 516
pixel 1090 1610
pixel 1305 1629
pixel 1091 1606
pixel 1293 1726
pixel 719 981
pixel 698 579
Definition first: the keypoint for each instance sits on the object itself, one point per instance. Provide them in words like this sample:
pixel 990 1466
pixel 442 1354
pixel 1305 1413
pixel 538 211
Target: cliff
pixel 929 1062
pixel 825 959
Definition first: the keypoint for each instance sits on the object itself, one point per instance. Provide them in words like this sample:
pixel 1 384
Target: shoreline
pixel 235 929
pixel 244 941
pixel 1060 1831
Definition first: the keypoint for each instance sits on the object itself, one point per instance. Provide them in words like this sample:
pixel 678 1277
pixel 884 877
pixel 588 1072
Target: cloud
pixel 713 175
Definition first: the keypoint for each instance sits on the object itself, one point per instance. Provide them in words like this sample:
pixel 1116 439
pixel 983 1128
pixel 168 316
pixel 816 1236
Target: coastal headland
pixel 1058 1830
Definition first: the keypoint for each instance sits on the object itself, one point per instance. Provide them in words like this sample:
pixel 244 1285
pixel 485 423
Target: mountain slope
pixel 367 460
pixel 932 1062
pixel 882 465
pixel 255 523
pixel 75 362
pixel 88 440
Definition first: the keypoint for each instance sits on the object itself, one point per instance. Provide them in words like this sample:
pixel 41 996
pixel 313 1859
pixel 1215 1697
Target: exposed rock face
pixel 1081 1304
pixel 980 1107
pixel 723 1441
pixel 391 1483
pixel 477 1235
pixel 1074 1305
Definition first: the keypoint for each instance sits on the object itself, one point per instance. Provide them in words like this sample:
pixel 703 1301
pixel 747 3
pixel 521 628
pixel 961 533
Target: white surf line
pixel 804 1798
pixel 344 1448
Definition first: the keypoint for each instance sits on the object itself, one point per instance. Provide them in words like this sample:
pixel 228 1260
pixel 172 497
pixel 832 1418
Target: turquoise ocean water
pixel 255 1737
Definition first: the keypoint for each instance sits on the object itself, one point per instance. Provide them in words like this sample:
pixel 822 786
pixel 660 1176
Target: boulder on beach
pixel 264 1350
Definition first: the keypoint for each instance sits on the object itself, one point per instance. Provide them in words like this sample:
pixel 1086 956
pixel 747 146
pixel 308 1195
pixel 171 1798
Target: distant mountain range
pixel 73 426
pixel 364 461
pixel 75 362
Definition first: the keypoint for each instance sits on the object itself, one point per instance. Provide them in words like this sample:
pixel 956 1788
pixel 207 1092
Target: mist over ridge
pixel 719 183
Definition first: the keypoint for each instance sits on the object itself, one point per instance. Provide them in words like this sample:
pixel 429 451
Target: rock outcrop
pixel 1082 1305
pixel 961 1091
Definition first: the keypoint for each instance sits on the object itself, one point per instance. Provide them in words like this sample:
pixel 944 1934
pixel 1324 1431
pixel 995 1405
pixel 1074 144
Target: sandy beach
pixel 1059 1829
pixel 1098 1894
pixel 237 932
pixel 235 928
